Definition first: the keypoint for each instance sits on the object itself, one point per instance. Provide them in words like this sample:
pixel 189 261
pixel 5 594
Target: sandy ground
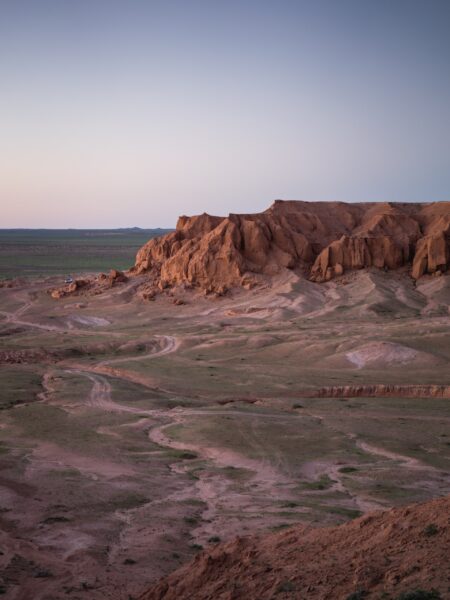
pixel 165 428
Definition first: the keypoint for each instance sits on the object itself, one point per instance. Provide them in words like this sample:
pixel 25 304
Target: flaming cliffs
pixel 322 240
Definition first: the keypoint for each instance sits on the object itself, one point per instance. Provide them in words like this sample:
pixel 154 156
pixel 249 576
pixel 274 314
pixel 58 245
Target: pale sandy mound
pixel 379 555
pixel 287 296
pixel 87 321
pixel 436 290
pixel 385 353
pixel 372 293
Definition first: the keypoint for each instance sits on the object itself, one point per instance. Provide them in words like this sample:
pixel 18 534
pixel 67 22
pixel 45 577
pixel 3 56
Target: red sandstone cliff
pixel 323 239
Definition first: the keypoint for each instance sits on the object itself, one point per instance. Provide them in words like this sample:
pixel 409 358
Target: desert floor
pixel 133 433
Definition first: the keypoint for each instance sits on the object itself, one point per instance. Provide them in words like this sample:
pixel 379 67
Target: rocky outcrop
pixel 390 554
pixel 116 276
pixel 321 239
pixel 94 286
pixel 68 289
pixel 7 283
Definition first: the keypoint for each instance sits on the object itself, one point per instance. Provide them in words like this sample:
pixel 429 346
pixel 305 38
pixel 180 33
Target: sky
pixel 132 112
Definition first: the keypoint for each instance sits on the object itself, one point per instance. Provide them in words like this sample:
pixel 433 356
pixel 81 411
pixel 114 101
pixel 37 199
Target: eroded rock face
pixel 322 239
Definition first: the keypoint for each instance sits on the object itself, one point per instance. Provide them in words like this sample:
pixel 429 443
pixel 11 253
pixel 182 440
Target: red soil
pixel 391 552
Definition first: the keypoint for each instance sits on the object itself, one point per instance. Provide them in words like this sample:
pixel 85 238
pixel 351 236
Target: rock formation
pixel 391 554
pixel 321 239
pixel 101 283
pixel 68 289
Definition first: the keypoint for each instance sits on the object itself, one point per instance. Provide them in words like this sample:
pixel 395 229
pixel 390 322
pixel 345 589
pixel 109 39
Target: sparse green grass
pixel 349 513
pixel 126 501
pixel 79 432
pixel 64 473
pixel 48 423
pixel 18 384
pixel 194 502
pixel 323 483
pixel 47 252
pixel 281 526
pixel 237 474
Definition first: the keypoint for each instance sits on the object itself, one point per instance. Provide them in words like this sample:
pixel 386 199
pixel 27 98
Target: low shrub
pixel 431 529
pixel 420 595
pixel 286 586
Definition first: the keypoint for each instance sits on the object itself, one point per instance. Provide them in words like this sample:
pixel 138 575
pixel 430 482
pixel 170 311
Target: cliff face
pixel 323 239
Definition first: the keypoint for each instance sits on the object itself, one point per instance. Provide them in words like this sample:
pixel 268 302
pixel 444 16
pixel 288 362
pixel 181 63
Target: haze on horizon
pixel 117 114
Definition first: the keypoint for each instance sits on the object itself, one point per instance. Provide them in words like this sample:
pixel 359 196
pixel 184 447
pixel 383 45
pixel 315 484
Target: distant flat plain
pixel 40 252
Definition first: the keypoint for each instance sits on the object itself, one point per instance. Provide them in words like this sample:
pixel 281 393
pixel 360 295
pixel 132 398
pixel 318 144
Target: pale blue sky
pixel 116 114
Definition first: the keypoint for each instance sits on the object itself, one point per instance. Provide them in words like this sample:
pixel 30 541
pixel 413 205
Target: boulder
pixel 116 276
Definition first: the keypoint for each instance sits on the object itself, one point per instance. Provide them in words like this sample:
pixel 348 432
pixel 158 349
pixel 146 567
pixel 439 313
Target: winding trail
pixel 169 344
pixel 268 480
pixel 406 461
pixel 225 502
pixel 364 504
pixel 100 394
pixel 13 317
pixel 211 486
pixel 268 476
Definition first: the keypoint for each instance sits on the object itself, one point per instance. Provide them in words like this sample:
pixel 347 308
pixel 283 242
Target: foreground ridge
pixel 389 553
pixel 322 239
